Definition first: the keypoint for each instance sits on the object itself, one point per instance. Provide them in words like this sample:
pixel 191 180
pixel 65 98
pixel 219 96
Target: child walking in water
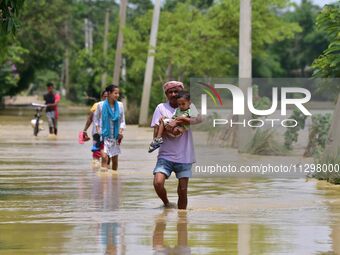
pixel 110 122
pixel 182 112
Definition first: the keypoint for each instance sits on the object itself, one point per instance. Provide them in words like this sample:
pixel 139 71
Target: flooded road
pixel 53 202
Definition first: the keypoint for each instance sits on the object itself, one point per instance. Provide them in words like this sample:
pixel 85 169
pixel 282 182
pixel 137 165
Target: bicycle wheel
pixel 36 127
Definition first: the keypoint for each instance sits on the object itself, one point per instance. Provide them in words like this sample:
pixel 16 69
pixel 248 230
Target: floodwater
pixel 53 202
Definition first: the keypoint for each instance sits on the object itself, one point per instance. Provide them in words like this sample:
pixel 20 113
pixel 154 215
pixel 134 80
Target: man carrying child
pixel 176 152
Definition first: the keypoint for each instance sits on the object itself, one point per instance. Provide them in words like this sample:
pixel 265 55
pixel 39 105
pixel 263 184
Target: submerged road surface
pixel 53 202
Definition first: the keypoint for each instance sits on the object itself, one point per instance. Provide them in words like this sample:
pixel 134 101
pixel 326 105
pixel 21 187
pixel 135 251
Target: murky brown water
pixel 52 202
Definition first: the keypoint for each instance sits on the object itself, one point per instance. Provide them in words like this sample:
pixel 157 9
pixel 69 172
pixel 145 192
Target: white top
pixel 97 116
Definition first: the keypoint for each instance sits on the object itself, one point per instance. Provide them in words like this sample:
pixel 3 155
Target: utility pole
pixel 124 69
pixel 245 75
pixel 66 61
pixel 244 69
pixel 143 115
pixel 88 29
pixel 66 70
pixel 105 46
pixel 119 47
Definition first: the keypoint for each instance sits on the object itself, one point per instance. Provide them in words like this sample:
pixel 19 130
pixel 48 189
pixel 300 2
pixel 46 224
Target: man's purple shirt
pixel 180 149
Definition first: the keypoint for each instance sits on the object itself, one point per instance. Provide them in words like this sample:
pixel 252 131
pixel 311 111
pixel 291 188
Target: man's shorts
pixel 51 119
pixel 182 170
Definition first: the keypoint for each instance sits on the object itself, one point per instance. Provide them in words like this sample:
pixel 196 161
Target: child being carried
pixel 183 112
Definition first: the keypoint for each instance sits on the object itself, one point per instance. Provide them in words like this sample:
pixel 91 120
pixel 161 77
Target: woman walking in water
pixel 110 123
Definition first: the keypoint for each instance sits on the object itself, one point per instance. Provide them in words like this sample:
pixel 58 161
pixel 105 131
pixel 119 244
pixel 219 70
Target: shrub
pixel 330 175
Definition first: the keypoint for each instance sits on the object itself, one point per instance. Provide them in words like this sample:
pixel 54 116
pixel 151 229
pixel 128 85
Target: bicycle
pixel 37 122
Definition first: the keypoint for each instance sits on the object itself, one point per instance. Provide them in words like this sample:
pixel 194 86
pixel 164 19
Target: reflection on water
pixel 106 192
pixel 160 245
pixel 109 233
pixel 52 202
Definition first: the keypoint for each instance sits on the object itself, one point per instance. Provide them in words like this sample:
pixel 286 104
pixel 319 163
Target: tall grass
pixel 264 143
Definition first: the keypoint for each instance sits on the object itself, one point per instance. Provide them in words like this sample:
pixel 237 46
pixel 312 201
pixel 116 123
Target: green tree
pixel 138 8
pixel 43 36
pixel 170 5
pixel 186 41
pixel 11 52
pixel 9 75
pixel 200 43
pixel 86 67
pixel 59 28
pixel 328 63
pixel 328 66
pixel 9 10
pixel 294 55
